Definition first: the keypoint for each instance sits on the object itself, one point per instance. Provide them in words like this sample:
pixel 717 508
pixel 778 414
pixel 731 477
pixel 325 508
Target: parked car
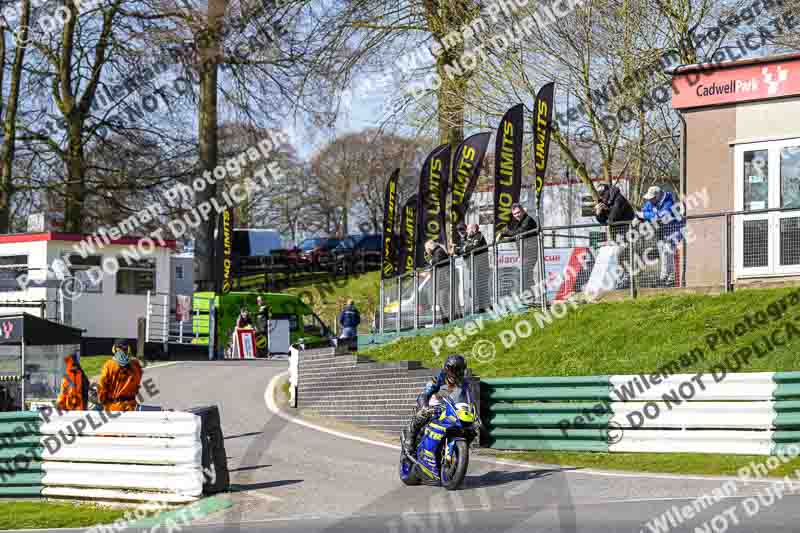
pixel 318 251
pixel 290 258
pixel 249 242
pixel 358 253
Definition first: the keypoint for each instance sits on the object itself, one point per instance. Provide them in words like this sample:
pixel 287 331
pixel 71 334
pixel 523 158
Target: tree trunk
pixel 76 185
pixel 451 99
pixel 208 152
pixel 10 120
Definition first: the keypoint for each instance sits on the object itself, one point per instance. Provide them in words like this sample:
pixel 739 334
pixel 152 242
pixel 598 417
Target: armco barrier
pixel 748 413
pixel 135 456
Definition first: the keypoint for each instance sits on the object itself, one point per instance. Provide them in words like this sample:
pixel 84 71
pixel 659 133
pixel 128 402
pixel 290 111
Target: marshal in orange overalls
pixel 74 395
pixel 119 385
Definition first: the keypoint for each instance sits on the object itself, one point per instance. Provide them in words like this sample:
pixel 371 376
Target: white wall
pixel 109 314
pixel 37 255
pixel 105 314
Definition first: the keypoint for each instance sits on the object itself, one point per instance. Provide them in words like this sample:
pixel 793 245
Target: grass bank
pixel 628 337
pixel 329 295
pixel 625 337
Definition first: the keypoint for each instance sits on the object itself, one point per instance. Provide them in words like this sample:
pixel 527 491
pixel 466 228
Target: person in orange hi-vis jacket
pixel 74 395
pixel 120 379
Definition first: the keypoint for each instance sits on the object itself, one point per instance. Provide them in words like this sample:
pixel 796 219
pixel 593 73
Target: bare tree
pixel 9 111
pixel 608 58
pixel 352 171
pixel 250 53
pixel 402 41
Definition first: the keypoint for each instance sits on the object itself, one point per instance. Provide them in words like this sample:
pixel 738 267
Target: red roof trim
pixel 77 237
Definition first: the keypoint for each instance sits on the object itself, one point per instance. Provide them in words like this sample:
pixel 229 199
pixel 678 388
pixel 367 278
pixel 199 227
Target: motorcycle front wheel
pixel 455 471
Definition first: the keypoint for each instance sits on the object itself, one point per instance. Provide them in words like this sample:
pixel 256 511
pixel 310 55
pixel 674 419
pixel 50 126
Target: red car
pixel 317 251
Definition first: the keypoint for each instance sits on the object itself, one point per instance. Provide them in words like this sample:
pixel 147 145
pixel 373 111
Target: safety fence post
pixel 148 318
pixel 451 288
pixel 212 338
pixel 542 280
pixel 416 300
pixel 726 250
pixel 399 303
pixel 435 290
pixel 472 283
pixel 521 247
pixel 496 275
pixel 380 309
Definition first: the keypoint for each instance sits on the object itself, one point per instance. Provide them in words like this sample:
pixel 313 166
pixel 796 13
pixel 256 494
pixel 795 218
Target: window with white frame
pixel 88 271
pixel 136 277
pixel 13 266
pixel 767 177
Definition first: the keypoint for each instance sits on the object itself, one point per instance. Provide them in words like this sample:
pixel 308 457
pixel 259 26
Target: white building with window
pixel 742 142
pixel 105 306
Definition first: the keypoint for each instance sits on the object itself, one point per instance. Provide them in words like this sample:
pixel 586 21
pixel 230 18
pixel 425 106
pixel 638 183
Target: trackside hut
pixel 742 144
pixel 106 308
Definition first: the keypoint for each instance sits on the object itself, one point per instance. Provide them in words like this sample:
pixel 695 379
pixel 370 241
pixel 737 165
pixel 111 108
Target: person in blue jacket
pixel 349 319
pixel 659 210
pixel 456 384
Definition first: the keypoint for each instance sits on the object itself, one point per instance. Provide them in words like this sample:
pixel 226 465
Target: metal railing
pixel 163 326
pixel 702 251
pixel 463 285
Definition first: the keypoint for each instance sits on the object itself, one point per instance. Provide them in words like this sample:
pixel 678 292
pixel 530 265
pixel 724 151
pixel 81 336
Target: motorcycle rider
pixel 452 377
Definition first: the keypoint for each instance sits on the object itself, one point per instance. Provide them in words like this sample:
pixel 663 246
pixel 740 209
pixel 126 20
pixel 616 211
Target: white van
pixel 250 242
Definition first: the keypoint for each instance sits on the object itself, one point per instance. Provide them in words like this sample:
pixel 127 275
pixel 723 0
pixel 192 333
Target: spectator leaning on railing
pixel 613 208
pixel 457 247
pixel 658 210
pixel 474 241
pixel 435 253
pixel 522 224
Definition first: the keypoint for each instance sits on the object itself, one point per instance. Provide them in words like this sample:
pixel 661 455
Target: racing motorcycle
pixel 442 450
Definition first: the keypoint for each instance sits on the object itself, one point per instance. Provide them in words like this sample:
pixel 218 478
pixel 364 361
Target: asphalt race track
pixel 290 478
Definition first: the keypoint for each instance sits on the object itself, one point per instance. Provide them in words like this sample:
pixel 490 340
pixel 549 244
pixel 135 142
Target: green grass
pixel 330 296
pixel 51 515
pixel 665 463
pixel 626 337
pixel 93 364
pixel 614 338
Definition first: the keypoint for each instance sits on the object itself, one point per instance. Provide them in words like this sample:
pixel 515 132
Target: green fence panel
pixel 569 445
pixel 21 471
pixel 549 420
pixel 788 385
pixel 21 492
pixel 593 392
pixel 550 434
